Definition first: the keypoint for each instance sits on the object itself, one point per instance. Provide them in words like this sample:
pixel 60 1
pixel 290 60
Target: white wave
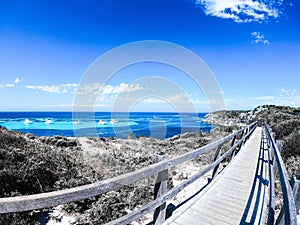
pixel 76 122
pixel 113 121
pixel 48 121
pixel 27 121
pixel 101 122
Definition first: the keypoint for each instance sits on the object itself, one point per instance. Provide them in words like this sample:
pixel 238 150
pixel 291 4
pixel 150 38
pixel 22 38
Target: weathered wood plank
pixel 217 155
pixel 160 188
pixel 231 197
pixel 271 214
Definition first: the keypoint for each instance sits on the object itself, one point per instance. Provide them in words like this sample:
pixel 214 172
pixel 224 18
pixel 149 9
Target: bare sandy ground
pixel 108 153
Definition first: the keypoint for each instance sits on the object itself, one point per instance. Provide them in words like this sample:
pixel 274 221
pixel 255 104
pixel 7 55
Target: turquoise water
pixel 103 124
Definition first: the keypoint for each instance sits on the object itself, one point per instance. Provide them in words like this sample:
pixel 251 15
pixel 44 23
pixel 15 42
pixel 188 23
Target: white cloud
pixel 122 87
pixel 286 97
pixel 265 98
pixel 259 38
pixel 242 11
pixel 289 93
pixel 103 90
pixel 152 100
pixel 58 89
pixel 181 98
pixel 89 89
pixel 17 80
pixel 9 85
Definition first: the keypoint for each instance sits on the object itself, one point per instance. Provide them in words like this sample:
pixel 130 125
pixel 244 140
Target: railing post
pixel 232 144
pixel 160 188
pixel 217 155
pixel 244 133
pixel 296 191
pixel 272 162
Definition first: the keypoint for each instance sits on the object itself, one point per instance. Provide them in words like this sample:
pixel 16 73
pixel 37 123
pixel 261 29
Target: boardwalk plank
pixel 230 190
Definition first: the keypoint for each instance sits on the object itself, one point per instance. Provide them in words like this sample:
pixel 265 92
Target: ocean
pixel 104 124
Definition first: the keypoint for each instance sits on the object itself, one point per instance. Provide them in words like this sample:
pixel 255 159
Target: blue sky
pixel 252 47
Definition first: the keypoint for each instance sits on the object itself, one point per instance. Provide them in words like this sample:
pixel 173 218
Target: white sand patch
pixel 99 150
pixel 58 217
pixel 89 145
pixel 144 220
pixel 184 172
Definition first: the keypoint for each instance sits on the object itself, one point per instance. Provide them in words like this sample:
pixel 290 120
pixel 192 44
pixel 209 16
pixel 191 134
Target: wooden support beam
pixel 217 155
pixel 271 214
pixel 160 188
pixel 232 144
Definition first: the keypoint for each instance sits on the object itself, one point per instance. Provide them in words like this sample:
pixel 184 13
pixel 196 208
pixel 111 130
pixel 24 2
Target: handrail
pixel 170 194
pixel 288 198
pixel 46 200
pixel 271 213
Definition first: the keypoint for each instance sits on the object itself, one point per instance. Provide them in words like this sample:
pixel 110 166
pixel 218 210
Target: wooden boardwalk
pixel 234 196
pixel 243 193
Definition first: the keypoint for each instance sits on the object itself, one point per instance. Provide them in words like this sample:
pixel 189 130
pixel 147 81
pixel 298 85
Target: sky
pixel 252 48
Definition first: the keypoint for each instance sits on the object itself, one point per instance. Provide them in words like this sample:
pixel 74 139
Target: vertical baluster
pixel 159 189
pixel 217 155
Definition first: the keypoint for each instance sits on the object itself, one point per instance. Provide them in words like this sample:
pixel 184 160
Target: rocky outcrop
pixel 228 118
pixel 284 121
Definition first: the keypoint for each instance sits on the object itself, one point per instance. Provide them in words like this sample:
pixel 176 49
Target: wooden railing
pixel 159 169
pixel 288 213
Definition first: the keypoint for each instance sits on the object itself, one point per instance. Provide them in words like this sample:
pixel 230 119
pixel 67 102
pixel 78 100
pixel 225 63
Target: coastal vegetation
pixel 285 123
pixel 283 120
pixel 30 165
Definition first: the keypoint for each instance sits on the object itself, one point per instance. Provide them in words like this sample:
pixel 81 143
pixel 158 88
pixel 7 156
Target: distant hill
pixel 284 121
